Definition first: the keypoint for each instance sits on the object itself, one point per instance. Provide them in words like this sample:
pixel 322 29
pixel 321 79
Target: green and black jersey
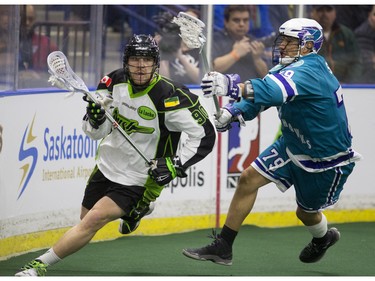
pixel 154 118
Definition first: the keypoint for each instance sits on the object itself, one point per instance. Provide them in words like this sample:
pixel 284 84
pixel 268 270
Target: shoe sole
pixel 152 207
pixel 31 272
pixel 26 273
pixel 214 259
pixel 333 242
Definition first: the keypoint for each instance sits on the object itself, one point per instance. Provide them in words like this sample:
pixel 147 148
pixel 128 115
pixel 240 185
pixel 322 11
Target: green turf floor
pixel 257 252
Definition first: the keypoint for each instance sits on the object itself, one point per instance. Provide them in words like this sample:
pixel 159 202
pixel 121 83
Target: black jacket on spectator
pixel 223 44
pixel 342 54
pixel 366 41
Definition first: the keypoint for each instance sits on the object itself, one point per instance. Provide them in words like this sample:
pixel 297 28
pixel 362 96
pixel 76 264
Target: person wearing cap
pixel 340 48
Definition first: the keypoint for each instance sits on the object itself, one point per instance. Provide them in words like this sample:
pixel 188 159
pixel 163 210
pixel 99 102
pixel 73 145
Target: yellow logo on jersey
pixel 171 102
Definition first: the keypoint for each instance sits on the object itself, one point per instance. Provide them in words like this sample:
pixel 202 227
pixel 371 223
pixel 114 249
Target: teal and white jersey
pixel 312 112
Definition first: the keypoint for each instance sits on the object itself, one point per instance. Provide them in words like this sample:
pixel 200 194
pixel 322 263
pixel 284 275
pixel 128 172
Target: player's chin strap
pixel 191 32
pixel 63 77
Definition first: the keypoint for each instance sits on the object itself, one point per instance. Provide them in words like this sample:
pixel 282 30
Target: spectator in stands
pixel 365 35
pixel 34 50
pixel 260 24
pixel 34 47
pixel 219 16
pixel 340 48
pixel 234 50
pixel 351 16
pixel 4 25
pixel 6 61
pixel 264 19
pixel 178 62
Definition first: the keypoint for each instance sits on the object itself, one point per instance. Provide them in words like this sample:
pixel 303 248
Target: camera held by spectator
pixel 170 41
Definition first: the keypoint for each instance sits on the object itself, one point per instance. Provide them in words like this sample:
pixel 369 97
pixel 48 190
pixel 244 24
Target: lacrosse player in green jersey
pixel 154 111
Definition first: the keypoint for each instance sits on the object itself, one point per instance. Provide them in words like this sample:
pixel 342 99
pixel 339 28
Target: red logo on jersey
pixel 106 80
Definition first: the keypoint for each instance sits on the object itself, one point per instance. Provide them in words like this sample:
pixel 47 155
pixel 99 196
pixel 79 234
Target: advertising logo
pixel 243 148
pixel 58 149
pixel 27 152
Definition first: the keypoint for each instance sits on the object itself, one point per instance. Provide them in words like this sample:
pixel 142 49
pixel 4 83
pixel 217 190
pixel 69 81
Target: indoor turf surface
pixel 257 252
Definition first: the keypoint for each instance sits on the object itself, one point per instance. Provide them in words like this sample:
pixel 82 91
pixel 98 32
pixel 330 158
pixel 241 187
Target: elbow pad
pixel 248 91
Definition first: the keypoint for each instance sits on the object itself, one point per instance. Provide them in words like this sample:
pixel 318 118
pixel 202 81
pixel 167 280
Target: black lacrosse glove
pixel 164 170
pixel 95 113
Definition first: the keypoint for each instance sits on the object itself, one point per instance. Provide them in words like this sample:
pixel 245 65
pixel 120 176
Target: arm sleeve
pixel 200 133
pixel 273 90
pixel 105 128
pixel 96 134
pixel 249 109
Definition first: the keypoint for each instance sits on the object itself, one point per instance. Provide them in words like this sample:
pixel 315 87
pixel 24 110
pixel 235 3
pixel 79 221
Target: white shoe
pixel 33 268
pixel 27 272
pixel 152 207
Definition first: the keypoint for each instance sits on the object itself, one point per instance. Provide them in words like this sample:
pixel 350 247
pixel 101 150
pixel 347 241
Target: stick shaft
pixel 206 69
pixel 120 129
pixel 60 68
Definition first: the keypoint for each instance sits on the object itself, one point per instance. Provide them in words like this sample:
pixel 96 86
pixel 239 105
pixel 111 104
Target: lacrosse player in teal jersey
pixel 154 112
pixel 314 153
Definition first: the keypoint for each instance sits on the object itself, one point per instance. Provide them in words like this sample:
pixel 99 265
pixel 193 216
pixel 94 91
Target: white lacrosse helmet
pixel 305 30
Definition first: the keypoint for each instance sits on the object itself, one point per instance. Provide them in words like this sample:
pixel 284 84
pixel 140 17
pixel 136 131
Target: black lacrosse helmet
pixel 142 45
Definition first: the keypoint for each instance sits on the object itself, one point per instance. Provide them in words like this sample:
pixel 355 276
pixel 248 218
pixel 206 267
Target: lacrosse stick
pixel 63 77
pixel 191 32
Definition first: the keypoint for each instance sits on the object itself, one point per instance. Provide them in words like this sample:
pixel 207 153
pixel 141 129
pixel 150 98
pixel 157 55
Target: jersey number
pixel 274 154
pixel 339 97
pixel 200 115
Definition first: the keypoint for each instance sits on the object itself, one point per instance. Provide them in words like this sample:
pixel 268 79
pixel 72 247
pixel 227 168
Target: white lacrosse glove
pixel 228 114
pixel 215 83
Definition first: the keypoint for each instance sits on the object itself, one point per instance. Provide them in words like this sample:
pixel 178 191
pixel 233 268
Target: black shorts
pixel 128 198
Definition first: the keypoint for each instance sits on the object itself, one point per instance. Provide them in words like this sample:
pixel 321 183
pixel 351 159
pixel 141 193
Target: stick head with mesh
pixel 62 73
pixel 190 30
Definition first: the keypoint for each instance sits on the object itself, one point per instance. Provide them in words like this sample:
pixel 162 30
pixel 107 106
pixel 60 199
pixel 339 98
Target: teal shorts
pixel 314 191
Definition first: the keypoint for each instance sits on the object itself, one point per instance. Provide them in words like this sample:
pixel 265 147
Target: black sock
pixel 228 234
pixel 321 239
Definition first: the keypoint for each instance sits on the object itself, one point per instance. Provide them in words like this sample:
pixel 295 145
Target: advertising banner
pixel 46 159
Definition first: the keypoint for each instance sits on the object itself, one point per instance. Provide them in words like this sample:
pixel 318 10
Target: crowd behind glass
pixel 93 38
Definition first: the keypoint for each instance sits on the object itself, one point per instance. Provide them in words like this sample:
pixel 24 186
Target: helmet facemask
pixel 307 32
pixel 138 67
pixel 285 50
pixel 141 57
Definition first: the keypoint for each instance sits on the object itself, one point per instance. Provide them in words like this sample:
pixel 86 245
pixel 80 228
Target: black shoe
pixel 218 251
pixel 128 226
pixel 313 252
